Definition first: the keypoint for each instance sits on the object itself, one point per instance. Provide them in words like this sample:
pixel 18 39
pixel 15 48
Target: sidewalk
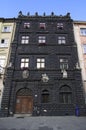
pixel 43 123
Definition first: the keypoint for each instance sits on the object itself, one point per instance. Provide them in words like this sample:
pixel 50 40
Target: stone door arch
pixel 24 102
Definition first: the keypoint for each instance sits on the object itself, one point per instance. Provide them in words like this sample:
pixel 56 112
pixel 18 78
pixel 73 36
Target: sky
pixel 76 8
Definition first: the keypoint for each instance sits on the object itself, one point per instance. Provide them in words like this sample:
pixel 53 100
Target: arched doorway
pixel 24 101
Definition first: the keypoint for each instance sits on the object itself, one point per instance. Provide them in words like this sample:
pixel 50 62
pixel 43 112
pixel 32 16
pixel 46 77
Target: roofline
pixel 79 22
pixel 7 19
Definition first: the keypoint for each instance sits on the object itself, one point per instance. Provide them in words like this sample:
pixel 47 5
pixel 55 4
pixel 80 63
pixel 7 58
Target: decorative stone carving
pixel 45 78
pixel 25 74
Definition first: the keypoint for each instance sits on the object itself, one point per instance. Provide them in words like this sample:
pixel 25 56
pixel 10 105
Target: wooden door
pixel 24 105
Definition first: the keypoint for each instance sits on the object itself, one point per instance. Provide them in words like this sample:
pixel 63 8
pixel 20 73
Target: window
pixel 84 48
pixel 59 25
pixel 83 31
pixel 63 64
pixel 26 25
pixel 6 29
pixel 25 40
pixel 45 96
pixel 40 63
pixel 61 40
pixel 24 63
pixel 4 42
pixel 2 63
pixel 65 95
pixel 42 40
pixel 42 25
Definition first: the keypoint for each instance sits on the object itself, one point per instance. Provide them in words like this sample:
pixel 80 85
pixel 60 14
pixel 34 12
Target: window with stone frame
pixel 42 26
pixel 24 39
pixel 40 63
pixel 26 25
pixel 45 96
pixel 59 25
pixel 24 63
pixel 4 42
pixel 6 28
pixel 63 64
pixel 61 40
pixel 83 31
pixel 65 95
pixel 42 40
pixel 84 48
pixel 2 63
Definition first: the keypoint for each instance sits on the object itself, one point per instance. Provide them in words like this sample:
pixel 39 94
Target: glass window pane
pixel 26 64
pixel 38 65
pixel 84 48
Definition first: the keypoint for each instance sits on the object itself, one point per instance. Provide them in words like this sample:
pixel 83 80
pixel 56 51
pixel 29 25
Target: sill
pixel 6 32
pixel 82 35
pixel 42 28
pixel 24 68
pixel 42 44
pixel 26 27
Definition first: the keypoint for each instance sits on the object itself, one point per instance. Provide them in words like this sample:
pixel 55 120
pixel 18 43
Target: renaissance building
pixel 7 31
pixel 44 76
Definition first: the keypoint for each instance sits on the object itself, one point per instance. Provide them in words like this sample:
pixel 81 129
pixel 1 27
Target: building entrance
pixel 24 102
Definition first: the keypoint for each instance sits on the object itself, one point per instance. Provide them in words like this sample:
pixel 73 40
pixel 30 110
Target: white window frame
pixel 61 40
pixel 41 39
pixel 2 63
pixel 63 64
pixel 24 39
pixel 6 28
pixel 83 31
pixel 24 63
pixel 84 48
pixel 59 25
pixel 4 42
pixel 42 25
pixel 26 25
pixel 40 63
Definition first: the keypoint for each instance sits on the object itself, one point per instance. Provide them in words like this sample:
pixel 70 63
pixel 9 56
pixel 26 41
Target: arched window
pixel 65 95
pixel 45 96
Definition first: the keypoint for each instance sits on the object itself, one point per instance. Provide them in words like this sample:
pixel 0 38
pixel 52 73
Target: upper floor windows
pixel 63 64
pixel 2 63
pixel 24 63
pixel 26 25
pixel 84 48
pixel 40 63
pixel 42 26
pixel 61 40
pixel 59 25
pixel 4 42
pixel 42 39
pixel 83 31
pixel 25 40
pixel 6 29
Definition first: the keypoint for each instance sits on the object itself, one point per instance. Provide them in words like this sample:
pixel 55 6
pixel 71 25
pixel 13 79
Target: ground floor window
pixel 45 96
pixel 65 95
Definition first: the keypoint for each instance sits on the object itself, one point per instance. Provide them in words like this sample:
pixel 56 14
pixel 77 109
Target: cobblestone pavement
pixel 43 123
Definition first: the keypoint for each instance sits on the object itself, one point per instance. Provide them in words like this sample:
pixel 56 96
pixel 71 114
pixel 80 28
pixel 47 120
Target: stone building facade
pixel 44 77
pixel 7 30
pixel 80 37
